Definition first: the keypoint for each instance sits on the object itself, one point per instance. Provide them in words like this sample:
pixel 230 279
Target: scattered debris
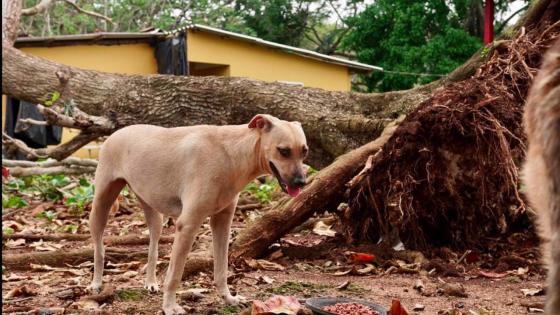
pixel 322 229
pixel 350 309
pixel 344 285
pixel 533 292
pixel 277 304
pixel 264 264
pixel 450 289
pixel 21 291
pixel 491 274
pixel 418 307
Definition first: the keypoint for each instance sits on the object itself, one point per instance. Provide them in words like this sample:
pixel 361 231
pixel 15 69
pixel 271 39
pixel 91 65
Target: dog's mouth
pixel 292 191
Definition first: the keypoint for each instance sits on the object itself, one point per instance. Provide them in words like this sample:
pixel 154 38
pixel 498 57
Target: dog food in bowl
pixel 349 309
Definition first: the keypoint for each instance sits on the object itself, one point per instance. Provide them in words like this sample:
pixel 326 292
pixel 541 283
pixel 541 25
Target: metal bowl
pixel 317 304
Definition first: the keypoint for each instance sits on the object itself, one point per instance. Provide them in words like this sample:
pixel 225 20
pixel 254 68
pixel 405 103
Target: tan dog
pixel 542 169
pixel 191 173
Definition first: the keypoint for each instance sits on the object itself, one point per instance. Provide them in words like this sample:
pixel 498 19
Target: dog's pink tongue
pixel 294 192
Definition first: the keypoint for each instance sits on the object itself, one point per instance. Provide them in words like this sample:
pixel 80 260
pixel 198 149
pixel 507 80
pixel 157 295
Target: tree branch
pixel 91 13
pixel 80 120
pixel 504 22
pixel 40 7
pixel 44 5
pixel 67 170
pixel 70 161
pixel 58 153
pixel 338 13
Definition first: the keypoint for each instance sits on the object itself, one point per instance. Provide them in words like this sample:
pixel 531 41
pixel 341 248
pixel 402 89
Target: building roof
pixel 356 66
pixel 101 37
pixel 124 37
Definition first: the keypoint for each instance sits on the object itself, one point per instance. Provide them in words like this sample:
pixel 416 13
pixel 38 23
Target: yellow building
pixel 208 51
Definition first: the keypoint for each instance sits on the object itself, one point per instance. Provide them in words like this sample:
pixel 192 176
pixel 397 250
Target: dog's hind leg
pixel 221 224
pixel 154 220
pixel 186 226
pixel 106 193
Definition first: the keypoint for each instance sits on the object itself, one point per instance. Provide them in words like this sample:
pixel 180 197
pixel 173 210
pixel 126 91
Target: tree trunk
pixel 334 122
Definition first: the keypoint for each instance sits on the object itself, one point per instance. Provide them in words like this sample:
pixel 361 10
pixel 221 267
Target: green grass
pixel 295 287
pixel 135 294
pixel 231 309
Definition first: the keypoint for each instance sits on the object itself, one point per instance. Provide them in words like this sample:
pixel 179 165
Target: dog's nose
pixel 298 181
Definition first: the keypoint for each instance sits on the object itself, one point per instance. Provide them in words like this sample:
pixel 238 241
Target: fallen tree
pixel 335 122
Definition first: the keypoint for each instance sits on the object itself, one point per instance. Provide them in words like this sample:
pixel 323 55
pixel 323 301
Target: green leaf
pixel 84 182
pixel 6 230
pixel 55 96
pixel 13 202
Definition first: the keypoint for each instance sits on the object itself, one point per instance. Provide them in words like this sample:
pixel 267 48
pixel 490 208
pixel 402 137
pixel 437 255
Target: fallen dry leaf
pixel 23 290
pixel 419 285
pixel 533 292
pixel 418 307
pixel 342 273
pixel 75 272
pixel 343 286
pixel 277 304
pixel 46 246
pixel 491 274
pixel 20 242
pixel 451 289
pixel 264 265
pixel 364 271
pixel 322 229
pixel 87 305
pixel 265 279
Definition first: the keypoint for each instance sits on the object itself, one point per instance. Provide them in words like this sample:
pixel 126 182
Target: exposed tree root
pixel 63 258
pixel 449 174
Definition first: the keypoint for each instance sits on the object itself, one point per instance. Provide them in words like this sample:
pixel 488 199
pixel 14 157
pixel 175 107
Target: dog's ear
pixel 261 121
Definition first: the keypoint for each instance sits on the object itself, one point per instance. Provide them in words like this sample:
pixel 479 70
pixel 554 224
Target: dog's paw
pixel 235 300
pixel 95 287
pixel 174 310
pixel 152 287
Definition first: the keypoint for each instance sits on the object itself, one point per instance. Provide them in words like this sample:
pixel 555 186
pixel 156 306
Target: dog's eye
pixel 285 152
pixel 304 151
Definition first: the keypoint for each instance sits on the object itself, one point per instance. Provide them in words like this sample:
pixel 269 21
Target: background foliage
pixel 429 36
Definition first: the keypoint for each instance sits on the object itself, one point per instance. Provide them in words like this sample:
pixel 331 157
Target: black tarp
pixel 171 55
pixel 34 136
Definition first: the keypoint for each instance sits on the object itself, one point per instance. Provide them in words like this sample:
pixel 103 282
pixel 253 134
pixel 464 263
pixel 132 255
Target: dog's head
pixel 283 146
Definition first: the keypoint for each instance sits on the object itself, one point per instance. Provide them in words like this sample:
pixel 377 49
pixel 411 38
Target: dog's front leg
pixel 185 230
pixel 221 224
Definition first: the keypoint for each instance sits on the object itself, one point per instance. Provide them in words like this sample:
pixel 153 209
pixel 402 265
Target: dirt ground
pixel 325 268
